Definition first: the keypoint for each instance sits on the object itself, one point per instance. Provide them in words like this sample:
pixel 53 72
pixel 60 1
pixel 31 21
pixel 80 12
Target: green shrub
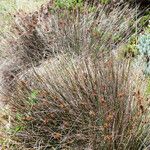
pixel 105 1
pixel 69 4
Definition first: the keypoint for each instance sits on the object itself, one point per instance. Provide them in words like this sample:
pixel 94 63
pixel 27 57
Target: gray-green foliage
pixel 144 50
pixel 144 44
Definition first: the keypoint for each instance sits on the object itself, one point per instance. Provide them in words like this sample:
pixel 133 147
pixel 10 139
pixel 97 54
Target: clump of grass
pixel 81 102
pixel 68 88
pixel 51 31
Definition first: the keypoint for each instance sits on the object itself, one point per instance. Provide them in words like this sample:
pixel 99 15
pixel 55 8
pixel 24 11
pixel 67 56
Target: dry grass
pixel 65 85
pixel 77 103
pixel 50 31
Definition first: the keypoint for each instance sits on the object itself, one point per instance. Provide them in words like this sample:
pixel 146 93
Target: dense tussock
pixel 49 32
pixel 66 85
pixel 79 103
